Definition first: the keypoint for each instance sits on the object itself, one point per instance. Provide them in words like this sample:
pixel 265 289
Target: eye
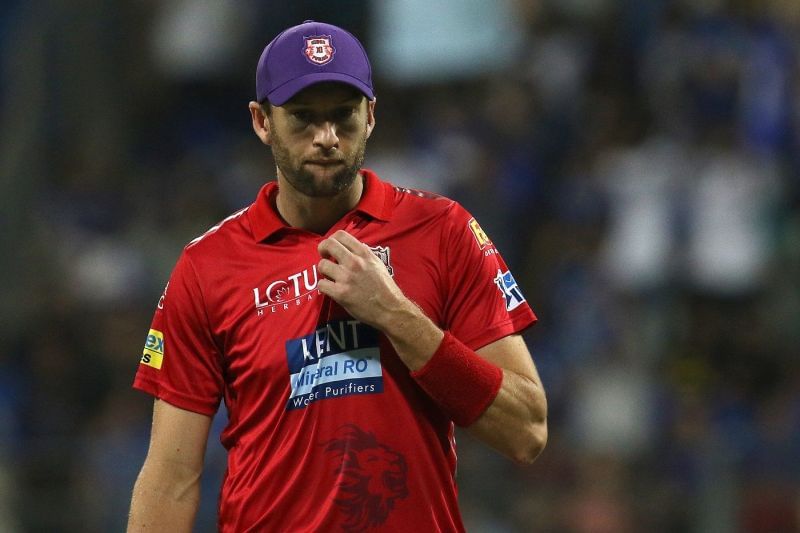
pixel 301 115
pixel 343 113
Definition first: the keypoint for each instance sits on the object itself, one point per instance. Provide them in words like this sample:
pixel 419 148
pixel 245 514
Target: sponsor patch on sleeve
pixel 153 354
pixel 480 235
pixel 509 289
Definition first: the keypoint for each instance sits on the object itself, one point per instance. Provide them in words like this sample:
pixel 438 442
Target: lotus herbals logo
pixel 291 291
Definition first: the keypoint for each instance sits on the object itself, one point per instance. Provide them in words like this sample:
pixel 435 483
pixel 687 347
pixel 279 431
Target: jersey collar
pixel 376 202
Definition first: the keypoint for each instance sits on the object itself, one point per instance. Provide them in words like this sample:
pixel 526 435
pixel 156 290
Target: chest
pixel 266 306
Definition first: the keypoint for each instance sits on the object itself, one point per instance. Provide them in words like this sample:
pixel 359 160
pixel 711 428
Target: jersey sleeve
pixel 181 363
pixel 484 302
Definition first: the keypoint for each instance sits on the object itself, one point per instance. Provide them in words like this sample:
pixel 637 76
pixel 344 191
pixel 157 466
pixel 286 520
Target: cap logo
pixel 319 50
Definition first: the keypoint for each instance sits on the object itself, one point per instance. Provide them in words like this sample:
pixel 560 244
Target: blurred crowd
pixel 637 162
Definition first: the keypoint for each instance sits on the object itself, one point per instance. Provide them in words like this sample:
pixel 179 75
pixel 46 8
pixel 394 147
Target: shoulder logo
pixel 479 234
pixel 318 49
pixel 509 289
pixel 153 354
pixel 383 253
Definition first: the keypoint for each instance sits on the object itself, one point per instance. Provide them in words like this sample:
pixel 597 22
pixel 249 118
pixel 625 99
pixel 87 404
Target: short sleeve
pixel 484 301
pixel 181 363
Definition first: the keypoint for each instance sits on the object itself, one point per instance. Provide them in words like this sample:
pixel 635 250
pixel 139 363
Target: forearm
pixel 164 499
pixel 515 423
pixel 500 383
pixel 413 335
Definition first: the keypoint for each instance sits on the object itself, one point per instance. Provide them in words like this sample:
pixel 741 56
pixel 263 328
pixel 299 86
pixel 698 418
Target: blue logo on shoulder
pixel 509 289
pixel 339 359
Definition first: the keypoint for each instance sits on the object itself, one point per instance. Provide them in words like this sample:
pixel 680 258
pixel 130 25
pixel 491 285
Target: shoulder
pixel 440 215
pixel 220 236
pixel 205 259
pixel 434 210
pixel 406 203
pixel 421 204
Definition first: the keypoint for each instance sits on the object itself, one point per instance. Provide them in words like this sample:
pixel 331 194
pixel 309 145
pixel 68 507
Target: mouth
pixel 324 162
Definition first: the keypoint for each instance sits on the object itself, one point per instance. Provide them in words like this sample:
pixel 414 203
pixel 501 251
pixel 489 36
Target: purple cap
pixel 312 52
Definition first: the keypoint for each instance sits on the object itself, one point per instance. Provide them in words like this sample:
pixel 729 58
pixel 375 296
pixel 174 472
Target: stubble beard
pixel 305 181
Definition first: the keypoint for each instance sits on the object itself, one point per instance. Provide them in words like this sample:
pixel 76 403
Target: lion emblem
pixel 371 478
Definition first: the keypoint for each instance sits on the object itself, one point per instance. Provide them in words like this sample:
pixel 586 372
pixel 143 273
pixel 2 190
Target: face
pixel 319 137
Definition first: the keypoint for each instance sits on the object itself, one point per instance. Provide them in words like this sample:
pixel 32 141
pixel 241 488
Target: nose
pixel 325 136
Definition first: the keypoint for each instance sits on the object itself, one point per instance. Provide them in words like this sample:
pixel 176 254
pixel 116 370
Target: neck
pixel 317 214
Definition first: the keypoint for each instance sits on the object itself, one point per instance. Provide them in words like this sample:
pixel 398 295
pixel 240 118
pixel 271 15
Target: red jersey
pixel 327 431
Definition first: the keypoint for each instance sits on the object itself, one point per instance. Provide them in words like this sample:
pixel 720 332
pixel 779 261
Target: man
pixel 347 324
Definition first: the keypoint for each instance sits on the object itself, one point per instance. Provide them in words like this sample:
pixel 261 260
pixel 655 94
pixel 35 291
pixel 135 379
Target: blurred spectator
pixel 636 162
pixel 730 243
pixel 420 42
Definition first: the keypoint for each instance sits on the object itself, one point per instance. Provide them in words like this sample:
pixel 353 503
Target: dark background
pixel 636 161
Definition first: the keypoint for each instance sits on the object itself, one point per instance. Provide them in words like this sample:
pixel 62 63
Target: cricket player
pixel 346 323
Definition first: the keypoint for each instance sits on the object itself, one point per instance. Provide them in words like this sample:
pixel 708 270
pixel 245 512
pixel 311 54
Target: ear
pixel 371 116
pixel 260 123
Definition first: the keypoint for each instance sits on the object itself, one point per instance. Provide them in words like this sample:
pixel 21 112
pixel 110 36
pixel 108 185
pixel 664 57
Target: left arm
pixel 515 423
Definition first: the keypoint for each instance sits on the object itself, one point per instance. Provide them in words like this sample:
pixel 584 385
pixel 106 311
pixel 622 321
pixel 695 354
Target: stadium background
pixel 637 162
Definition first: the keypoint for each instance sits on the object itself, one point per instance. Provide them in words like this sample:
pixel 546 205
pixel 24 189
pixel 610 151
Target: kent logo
pixel 508 287
pixel 335 337
pixel 338 359
pixel 153 354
